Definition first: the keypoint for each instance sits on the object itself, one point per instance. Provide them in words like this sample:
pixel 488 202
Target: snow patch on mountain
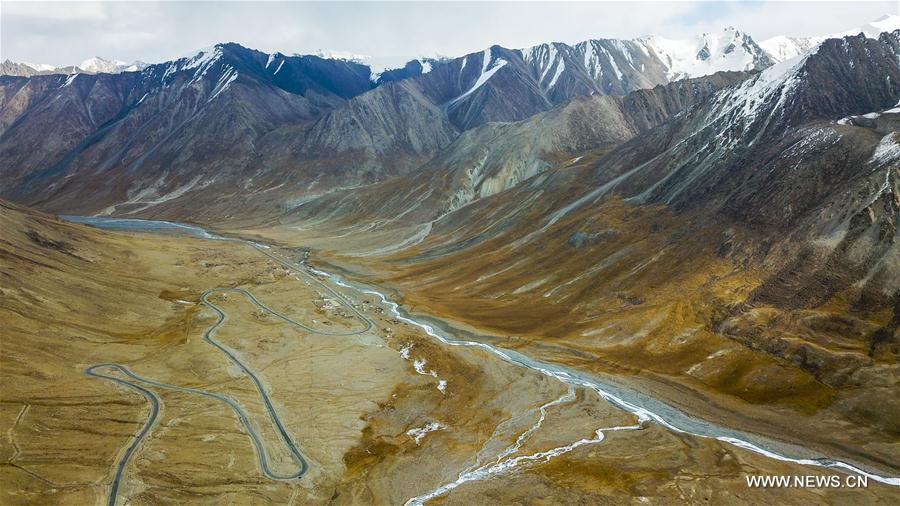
pixel 888 150
pixel 591 60
pixel 887 23
pixel 781 48
pixel 224 82
pixel 612 63
pixel 488 69
pixel 203 57
pixel 560 67
pixel 543 55
pixel 70 80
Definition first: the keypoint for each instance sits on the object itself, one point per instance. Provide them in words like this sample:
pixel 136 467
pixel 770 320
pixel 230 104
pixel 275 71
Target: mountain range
pixel 94 65
pixel 308 123
pixel 704 54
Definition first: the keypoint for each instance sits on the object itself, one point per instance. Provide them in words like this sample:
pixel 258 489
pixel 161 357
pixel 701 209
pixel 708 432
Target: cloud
pixel 75 11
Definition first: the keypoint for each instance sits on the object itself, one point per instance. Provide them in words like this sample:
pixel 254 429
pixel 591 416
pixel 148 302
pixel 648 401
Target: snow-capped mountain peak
pixel 781 48
pixel 886 23
pixel 40 67
pixel 98 65
pixel 708 53
pixel 343 55
pixel 19 68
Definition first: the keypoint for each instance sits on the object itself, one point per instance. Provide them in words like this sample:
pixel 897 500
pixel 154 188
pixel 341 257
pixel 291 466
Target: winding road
pixel 209 337
pixel 154 413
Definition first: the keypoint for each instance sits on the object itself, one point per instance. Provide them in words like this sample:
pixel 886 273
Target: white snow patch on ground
pixel 419 433
pixel 419 366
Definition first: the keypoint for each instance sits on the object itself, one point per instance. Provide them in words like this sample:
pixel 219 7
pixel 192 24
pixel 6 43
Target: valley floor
pixel 381 415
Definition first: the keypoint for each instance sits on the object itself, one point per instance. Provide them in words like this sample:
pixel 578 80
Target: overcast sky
pixel 67 33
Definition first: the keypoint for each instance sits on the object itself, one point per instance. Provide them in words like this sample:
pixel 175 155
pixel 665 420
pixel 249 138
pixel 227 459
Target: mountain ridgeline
pixel 232 117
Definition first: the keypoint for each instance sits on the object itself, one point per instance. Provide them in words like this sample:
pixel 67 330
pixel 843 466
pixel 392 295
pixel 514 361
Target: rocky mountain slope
pixel 497 156
pixel 142 136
